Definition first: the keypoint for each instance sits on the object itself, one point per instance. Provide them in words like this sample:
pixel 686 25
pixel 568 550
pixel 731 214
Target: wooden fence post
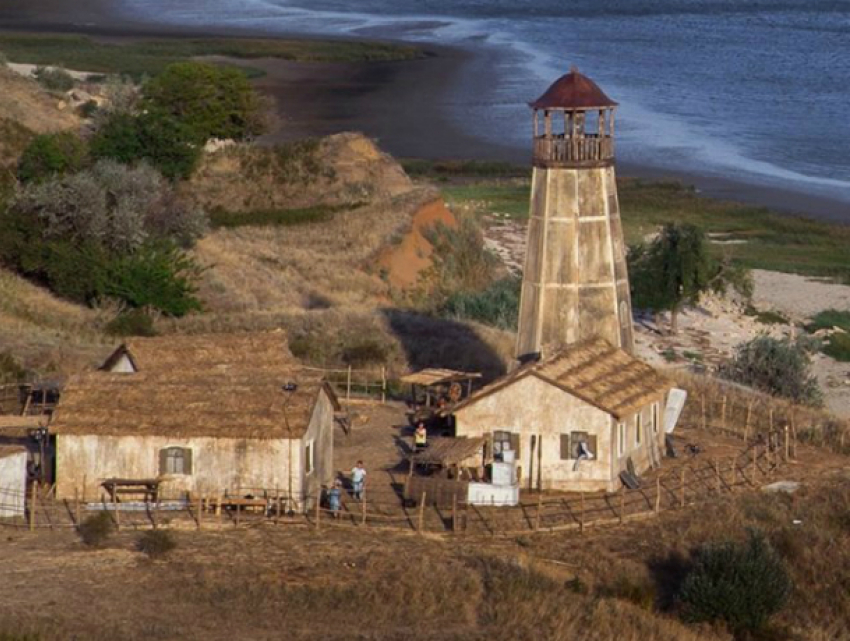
pixel 787 443
pixel 238 513
pixel 115 509
pixel 683 487
pixel 723 413
pixel 755 464
pixel 747 422
pixel 33 498
pixel 704 418
pixel 421 518
pixel 732 473
pixel 383 383
pixel 200 510
pixel 319 510
pixel 581 521
pixel 363 510
pixel 348 385
pixel 658 494
pixel 539 509
pixel 622 504
pixel 77 506
pixel 717 474
pixel 454 512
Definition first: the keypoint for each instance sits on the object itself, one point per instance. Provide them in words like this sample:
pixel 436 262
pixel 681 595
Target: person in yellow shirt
pixel 420 437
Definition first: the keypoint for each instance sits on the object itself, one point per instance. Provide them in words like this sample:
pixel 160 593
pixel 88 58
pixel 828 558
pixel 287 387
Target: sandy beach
pixel 400 104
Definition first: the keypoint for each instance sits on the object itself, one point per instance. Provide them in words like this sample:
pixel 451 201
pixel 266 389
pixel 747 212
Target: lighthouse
pixel 575 285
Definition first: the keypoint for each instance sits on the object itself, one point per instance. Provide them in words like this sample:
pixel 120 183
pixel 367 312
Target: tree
pixel 777 367
pixel 160 139
pixel 676 268
pixel 212 101
pixel 49 155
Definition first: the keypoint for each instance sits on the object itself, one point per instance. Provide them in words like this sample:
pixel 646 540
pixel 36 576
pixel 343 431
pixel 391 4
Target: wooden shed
pixel 573 420
pixel 198 414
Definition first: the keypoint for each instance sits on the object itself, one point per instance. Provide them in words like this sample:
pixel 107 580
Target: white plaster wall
pixel 534 407
pixel 217 464
pixel 321 433
pixel 13 484
pixel 641 454
pixel 123 365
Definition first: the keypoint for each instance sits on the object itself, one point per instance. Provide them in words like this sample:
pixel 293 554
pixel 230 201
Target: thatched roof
pixel 437 376
pixel 449 451
pixel 15 423
pixel 594 371
pixel 217 385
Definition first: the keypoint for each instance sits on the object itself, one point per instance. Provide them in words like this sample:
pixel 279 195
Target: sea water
pixel 755 90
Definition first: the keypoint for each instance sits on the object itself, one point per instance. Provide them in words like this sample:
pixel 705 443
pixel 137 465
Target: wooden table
pixel 148 488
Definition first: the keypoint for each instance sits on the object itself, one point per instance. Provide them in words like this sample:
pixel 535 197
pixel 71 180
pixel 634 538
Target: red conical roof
pixel 573 91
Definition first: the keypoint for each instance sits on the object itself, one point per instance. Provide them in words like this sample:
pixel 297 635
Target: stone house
pixel 202 415
pixel 574 420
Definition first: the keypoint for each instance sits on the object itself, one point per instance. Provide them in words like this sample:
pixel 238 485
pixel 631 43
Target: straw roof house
pixel 574 419
pixel 201 413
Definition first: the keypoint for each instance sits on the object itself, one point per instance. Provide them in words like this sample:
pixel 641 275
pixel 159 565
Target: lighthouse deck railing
pixel 588 149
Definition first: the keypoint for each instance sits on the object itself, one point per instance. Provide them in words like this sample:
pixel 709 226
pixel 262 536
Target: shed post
pixel 115 509
pixel 319 511
pixel 348 385
pixel 200 510
pixel 276 505
pixel 539 509
pixel 77 506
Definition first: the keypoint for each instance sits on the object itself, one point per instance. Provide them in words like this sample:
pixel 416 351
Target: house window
pixel 638 428
pixel 309 455
pixel 621 439
pixel 175 460
pixel 503 441
pixel 576 445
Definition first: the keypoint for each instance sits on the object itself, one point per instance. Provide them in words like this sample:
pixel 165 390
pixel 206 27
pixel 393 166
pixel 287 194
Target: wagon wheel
pixel 455 392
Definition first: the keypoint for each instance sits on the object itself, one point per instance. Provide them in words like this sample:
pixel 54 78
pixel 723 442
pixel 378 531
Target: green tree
pixel 777 367
pixel 212 101
pixel 49 155
pixel 676 268
pixel 154 136
pixel 743 584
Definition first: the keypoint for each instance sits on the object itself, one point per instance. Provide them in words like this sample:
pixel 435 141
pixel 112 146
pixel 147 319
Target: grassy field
pixel 149 57
pixel 765 239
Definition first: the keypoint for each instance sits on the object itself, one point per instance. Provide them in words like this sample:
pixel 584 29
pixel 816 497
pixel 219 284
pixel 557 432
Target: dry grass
pixel 46 333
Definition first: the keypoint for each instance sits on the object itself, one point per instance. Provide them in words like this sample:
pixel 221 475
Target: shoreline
pixel 403 105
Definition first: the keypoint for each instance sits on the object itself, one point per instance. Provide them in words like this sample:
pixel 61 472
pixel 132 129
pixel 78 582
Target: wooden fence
pixel 698 479
pixel 357 384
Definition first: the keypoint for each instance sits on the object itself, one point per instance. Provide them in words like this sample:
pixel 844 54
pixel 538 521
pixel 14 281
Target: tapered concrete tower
pixel 575 284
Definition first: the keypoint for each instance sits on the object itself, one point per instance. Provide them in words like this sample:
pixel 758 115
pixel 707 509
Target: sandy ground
pixel 711 331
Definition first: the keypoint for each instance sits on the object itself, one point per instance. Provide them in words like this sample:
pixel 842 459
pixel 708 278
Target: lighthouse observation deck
pixel 568 151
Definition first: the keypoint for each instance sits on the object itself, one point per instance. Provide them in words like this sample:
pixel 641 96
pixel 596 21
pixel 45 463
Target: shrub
pixel 498 305
pixel 156 543
pixel 364 351
pixel 838 346
pixel 134 322
pixel 640 592
pixel 96 529
pixel 462 263
pixel 54 79
pixel 829 319
pixel 774 366
pixel 213 102
pixel 155 137
pixel 49 155
pixel 11 369
pixel 89 109
pixel 743 584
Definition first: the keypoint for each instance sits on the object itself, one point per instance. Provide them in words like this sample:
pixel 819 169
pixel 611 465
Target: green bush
pixel 838 346
pixel 156 543
pixel 96 529
pixel 497 305
pixel 134 322
pixel 743 584
pixel 640 592
pixel 777 367
pixel 156 137
pixel 54 79
pixel 88 109
pixel 213 102
pixel 830 318
pixel 49 155
pixel 364 351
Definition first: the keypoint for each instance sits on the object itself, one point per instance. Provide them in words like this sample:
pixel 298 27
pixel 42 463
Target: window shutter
pixel 515 442
pixel 187 460
pixel 163 461
pixel 565 447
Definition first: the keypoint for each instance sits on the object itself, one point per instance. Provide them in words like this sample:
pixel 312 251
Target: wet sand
pixel 401 104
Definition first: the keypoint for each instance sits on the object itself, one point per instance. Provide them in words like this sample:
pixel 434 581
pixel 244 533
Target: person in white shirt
pixel 358 480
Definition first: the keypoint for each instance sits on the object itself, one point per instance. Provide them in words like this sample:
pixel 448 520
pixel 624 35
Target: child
pixel 335 498
pixel 358 480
